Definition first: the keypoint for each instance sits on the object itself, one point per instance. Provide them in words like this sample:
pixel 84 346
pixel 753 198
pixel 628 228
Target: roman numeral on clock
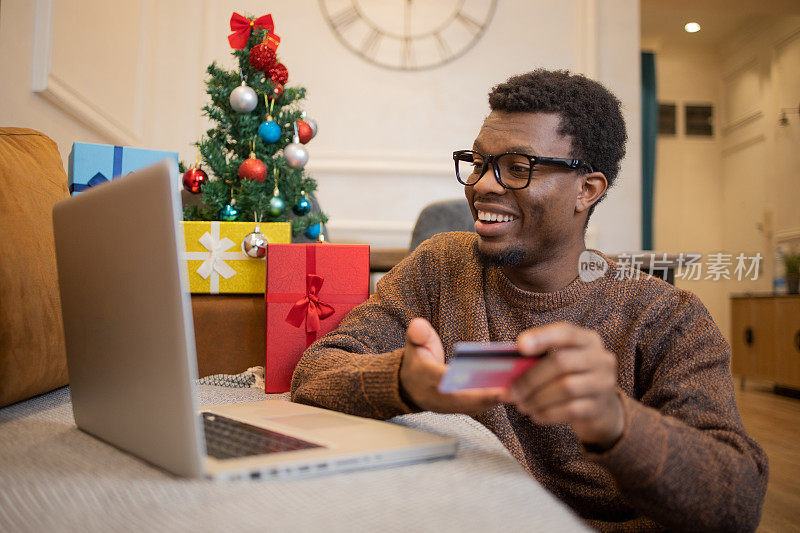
pixel 444 50
pixel 408 53
pixel 344 18
pixel 369 46
pixel 470 23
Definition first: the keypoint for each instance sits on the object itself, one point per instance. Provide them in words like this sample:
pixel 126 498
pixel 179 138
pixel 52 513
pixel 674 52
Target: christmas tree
pixel 256 150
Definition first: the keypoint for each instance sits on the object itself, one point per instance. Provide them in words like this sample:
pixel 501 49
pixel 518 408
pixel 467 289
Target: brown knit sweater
pixel 684 462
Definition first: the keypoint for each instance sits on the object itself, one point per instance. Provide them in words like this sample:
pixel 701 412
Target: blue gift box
pixel 92 164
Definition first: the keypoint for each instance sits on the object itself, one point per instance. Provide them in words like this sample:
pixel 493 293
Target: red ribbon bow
pixel 241 27
pixel 310 308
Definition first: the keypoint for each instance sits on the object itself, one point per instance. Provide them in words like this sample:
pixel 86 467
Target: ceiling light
pixel 692 27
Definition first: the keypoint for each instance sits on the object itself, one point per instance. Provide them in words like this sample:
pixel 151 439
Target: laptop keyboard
pixel 227 438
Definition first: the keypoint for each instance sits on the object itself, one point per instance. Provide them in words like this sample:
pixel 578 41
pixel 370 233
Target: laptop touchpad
pixel 315 421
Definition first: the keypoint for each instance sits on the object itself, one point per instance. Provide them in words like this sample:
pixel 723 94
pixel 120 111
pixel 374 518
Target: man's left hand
pixel 576 383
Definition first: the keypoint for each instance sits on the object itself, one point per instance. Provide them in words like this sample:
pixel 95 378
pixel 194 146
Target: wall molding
pixel 586 38
pixel 729 78
pixel 53 88
pixel 388 233
pixel 751 61
pixel 741 145
pixel 743 120
pixel 42 44
pixel 375 164
pixel 63 96
pixel 785 40
pixel 788 235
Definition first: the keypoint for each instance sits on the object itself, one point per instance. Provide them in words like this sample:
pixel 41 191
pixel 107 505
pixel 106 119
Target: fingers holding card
pixel 479 365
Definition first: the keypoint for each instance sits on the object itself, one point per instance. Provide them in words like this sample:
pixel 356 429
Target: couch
pixel 230 328
pixel 32 179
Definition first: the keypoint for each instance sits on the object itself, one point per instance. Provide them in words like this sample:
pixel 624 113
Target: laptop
pixel 131 354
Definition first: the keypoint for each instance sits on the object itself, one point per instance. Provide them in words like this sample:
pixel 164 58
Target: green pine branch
pixel 234 136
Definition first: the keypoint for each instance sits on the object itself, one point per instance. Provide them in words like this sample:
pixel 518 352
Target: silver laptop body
pixel 131 352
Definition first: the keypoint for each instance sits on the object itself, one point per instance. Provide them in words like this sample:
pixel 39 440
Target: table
pixel 383 259
pixel 55 477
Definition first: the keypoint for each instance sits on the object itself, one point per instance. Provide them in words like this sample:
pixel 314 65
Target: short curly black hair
pixel 590 114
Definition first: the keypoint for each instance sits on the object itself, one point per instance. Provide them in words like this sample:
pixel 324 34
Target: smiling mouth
pixel 489 217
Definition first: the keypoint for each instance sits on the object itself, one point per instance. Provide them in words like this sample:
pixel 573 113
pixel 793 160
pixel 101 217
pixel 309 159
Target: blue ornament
pixel 228 213
pixel 312 232
pixel 302 207
pixel 269 131
pixel 276 206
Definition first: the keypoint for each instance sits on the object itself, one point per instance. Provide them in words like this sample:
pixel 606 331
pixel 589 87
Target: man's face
pixel 542 216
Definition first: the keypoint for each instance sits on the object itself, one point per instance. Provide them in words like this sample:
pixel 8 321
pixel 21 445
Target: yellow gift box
pixel 216 262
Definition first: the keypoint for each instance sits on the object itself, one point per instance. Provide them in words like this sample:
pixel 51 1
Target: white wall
pixel 760 157
pixel 688 201
pixel 737 192
pixel 382 152
pixel 19 106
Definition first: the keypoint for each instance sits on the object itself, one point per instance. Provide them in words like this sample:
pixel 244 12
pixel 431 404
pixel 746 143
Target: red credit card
pixel 480 365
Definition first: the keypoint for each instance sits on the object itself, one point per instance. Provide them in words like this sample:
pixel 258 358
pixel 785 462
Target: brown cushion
pixel 32 179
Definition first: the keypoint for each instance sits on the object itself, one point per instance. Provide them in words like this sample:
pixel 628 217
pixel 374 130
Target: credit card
pixel 479 365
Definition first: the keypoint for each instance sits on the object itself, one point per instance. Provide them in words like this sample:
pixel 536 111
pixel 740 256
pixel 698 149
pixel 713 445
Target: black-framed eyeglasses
pixel 512 170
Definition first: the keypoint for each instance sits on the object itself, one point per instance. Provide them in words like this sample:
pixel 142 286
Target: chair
pixel 438 217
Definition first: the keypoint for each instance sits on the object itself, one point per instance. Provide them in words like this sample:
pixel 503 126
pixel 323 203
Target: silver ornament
pixel 255 244
pixel 243 99
pixel 313 125
pixel 296 154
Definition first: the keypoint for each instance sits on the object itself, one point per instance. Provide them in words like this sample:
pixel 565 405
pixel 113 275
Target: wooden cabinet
pixel 766 338
pixel 787 339
pixel 742 337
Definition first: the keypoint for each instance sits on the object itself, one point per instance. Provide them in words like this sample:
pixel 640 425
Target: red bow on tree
pixel 310 308
pixel 242 26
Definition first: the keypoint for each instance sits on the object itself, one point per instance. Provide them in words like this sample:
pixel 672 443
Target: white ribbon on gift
pixel 214 264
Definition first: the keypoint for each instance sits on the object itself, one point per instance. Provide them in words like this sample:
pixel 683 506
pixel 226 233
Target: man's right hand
pixel 422 369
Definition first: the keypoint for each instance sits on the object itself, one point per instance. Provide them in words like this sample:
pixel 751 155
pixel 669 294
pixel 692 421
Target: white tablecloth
pixel 54 477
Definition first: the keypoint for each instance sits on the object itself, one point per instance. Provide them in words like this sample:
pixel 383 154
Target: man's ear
pixel 593 187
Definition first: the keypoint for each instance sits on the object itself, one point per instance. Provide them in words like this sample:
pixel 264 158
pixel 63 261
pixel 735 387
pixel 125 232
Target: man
pixel 630 417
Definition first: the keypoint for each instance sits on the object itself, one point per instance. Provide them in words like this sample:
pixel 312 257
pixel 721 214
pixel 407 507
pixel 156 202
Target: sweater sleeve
pixel 684 458
pixel 356 368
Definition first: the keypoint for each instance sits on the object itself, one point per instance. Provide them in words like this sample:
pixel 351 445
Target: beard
pixel 508 257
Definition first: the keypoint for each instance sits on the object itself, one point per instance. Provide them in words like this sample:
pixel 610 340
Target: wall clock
pixel 408 34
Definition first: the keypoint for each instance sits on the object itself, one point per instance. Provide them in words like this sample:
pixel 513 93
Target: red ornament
pixel 262 57
pixel 276 93
pixel 193 180
pixel 278 73
pixel 304 131
pixel 253 169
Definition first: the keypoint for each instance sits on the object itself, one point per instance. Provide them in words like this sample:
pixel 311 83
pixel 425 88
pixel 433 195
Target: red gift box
pixel 310 289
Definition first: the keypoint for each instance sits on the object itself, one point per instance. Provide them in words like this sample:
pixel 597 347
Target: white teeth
pixel 494 217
